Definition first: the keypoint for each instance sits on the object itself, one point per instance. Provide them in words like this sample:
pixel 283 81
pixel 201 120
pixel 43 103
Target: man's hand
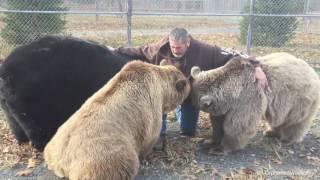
pixel 111 48
pixel 261 77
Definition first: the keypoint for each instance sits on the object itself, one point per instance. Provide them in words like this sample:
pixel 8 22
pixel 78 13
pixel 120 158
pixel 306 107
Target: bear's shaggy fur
pixel 118 125
pixel 43 83
pixel 288 104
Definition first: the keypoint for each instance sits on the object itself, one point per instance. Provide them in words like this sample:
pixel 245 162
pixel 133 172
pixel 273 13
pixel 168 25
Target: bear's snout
pixel 205 102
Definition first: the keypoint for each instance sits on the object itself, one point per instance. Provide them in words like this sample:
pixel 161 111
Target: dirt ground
pixel 263 158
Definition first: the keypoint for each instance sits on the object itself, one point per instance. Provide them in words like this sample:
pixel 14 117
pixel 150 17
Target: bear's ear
pixel 165 62
pixel 195 70
pixel 181 84
pixel 190 78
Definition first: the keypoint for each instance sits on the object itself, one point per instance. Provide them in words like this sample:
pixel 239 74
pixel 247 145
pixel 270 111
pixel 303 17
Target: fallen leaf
pixel 194 161
pixel 25 172
pixel 33 163
pixel 276 161
pixel 5 150
pixel 248 171
pixel 213 151
pixel 301 155
pixel 312 149
pixel 313 158
pixel 190 177
pixel 290 151
pixel 316 132
pixel 197 139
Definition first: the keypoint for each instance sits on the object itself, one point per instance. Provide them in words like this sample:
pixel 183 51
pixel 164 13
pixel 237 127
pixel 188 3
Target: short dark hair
pixel 179 34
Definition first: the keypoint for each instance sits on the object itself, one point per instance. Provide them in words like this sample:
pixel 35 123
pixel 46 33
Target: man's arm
pixel 259 74
pixel 138 52
pixel 145 53
pixel 222 56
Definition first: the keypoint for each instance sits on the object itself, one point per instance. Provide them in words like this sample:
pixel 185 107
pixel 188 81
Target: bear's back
pixel 285 69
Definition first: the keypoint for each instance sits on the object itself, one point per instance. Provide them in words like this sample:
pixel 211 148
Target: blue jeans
pixel 187 115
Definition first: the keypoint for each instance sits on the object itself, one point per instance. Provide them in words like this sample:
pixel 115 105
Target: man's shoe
pixel 161 144
pixel 187 134
pixel 190 134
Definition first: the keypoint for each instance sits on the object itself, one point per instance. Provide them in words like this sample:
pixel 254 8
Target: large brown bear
pixel 118 125
pixel 288 104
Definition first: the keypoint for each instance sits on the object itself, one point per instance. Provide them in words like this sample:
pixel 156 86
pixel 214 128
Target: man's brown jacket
pixel 198 54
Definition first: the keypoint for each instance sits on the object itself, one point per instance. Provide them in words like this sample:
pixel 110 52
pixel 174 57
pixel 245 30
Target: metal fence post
pixel 129 16
pixel 250 22
pixel 306 20
pixel 97 9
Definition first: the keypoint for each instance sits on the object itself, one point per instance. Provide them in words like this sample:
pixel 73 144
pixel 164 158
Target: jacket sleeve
pixel 138 52
pixel 144 53
pixel 222 56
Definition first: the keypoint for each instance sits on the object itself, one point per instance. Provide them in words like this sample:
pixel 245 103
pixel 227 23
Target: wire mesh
pixel 277 25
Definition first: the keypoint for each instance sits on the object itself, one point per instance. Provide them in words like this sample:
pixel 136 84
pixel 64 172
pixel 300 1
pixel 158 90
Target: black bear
pixel 43 83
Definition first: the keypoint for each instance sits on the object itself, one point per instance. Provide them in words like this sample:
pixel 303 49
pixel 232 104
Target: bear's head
pixel 218 90
pixel 177 87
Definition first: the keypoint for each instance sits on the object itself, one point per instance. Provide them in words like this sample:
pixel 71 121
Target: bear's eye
pixel 203 89
pixel 181 84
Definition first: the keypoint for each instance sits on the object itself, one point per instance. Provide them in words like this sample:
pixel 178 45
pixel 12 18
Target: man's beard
pixel 178 55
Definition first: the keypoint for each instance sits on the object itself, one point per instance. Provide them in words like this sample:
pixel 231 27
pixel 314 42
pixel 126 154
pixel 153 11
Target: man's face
pixel 178 48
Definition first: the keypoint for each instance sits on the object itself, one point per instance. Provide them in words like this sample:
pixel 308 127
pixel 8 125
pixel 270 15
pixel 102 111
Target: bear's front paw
pixel 161 144
pixel 218 151
pixel 271 133
pixel 209 144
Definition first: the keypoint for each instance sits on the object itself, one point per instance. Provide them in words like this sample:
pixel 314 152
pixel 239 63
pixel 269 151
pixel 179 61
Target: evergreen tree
pixel 22 28
pixel 271 31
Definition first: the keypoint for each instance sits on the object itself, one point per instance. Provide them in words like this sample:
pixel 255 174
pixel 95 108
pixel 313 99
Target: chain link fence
pixel 256 26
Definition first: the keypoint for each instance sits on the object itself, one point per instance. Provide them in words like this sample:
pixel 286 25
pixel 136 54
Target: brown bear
pixel 288 104
pixel 118 125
